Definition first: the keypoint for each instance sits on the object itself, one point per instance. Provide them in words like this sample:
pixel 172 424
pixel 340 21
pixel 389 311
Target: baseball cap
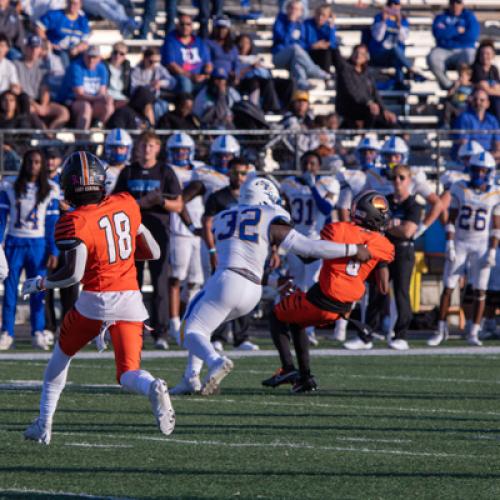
pixel 222 22
pixel 300 95
pixel 53 152
pixel 220 73
pixel 33 41
pixel 93 51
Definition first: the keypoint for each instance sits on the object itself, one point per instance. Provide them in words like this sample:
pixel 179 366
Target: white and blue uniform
pixel 472 232
pixel 310 210
pixel 242 241
pixel 29 241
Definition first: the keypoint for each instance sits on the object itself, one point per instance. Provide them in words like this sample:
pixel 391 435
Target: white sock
pixel 137 381
pixel 193 367
pixel 474 330
pixel 200 346
pixel 174 324
pixel 341 325
pixel 442 327
pixel 54 380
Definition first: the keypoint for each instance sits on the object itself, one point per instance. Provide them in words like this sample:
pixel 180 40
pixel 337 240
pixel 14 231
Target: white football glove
pixel 421 229
pixel 490 258
pixel 451 254
pixel 32 285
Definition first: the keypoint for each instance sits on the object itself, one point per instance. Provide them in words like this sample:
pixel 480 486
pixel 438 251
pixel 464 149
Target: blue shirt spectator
pixel 79 74
pixel 456 32
pixel 186 56
pixel 287 32
pixel 478 119
pixel 223 51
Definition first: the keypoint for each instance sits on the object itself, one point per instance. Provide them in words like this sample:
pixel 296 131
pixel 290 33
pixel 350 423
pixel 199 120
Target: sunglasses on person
pixel 400 177
pixel 185 24
pixel 119 53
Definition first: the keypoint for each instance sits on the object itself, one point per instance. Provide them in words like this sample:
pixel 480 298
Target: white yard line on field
pixel 28 491
pixel 409 378
pixel 104 446
pixel 425 351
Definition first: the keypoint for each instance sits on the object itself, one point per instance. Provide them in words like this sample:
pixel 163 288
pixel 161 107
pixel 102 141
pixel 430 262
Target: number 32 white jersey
pixel 242 236
pixel 475 210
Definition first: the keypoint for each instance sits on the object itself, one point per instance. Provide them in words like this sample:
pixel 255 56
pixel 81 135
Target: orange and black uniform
pixel 341 282
pixel 108 230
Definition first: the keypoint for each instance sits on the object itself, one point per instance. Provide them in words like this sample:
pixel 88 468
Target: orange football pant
pixel 298 310
pixel 77 331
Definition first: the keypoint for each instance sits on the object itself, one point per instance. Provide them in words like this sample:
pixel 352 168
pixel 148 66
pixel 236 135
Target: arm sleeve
pixel 472 29
pixel 147 247
pixel 4 212
pixel 73 269
pixel 319 249
pixel 51 218
pixel 324 206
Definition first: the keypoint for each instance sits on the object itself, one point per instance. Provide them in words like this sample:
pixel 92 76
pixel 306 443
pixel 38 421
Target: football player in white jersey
pixel 311 198
pixel 244 235
pixel 30 208
pixel 185 254
pixel 472 235
pixel 117 154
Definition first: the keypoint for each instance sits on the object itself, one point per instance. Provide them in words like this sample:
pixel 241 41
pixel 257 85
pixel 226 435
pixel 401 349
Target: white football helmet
pixel 367 151
pixel 368 142
pixel 482 160
pixel 395 146
pixel 115 139
pixel 469 148
pixel 259 191
pixel 180 149
pixel 222 151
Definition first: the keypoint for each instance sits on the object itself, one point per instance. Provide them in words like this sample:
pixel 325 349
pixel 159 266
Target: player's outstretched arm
pixel 146 246
pixel 74 255
pixel 292 241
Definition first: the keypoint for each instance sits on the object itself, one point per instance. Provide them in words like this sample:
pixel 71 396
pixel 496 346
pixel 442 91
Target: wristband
pixel 212 250
pixel 449 228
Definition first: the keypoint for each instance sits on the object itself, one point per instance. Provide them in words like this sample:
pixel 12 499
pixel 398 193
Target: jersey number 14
pixel 117 234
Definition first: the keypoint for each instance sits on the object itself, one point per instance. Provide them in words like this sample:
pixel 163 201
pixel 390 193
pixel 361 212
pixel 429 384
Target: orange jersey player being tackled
pixel 341 283
pixel 100 241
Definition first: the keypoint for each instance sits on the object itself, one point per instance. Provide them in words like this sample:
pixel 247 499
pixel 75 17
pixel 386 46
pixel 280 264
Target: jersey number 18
pixel 120 228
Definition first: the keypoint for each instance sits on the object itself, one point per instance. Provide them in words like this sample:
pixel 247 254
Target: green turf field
pixel 380 427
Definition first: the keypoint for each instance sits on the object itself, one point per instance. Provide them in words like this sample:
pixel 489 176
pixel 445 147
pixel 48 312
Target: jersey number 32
pixel 247 227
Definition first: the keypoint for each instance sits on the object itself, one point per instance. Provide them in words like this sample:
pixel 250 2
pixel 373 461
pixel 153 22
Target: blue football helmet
pixel 118 138
pixel 222 151
pixel 481 169
pixel 180 150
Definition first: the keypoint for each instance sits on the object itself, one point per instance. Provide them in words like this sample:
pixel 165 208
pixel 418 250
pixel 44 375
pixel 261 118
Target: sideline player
pixel 243 235
pixel 311 198
pixel 100 240
pixel 341 283
pixel 472 235
pixel 117 153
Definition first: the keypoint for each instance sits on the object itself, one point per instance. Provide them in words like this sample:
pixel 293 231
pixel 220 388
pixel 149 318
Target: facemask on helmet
pixel 481 169
pixel 118 147
pixel 223 150
pixel 180 150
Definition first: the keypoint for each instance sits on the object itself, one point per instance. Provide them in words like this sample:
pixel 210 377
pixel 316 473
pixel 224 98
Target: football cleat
pixel 281 377
pixel 437 339
pixel 218 345
pixel 39 341
pixel 304 384
pixel 186 386
pixel 49 337
pixel 398 344
pixel 162 407
pixel 357 344
pixel 311 337
pixel 161 344
pixel 216 374
pixel 473 340
pixel 39 432
pixel 247 346
pixel 6 341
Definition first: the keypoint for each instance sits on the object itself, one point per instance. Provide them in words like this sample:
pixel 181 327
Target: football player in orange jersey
pixel 341 283
pixel 100 240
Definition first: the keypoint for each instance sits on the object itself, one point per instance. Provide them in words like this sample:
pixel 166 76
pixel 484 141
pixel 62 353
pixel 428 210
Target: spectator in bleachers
pixel 67 30
pixel 289 47
pixel 85 89
pixel 486 76
pixel 182 117
pixel 358 101
pixel 55 69
pixel 149 16
pixel 456 32
pixel 256 81
pixel 388 34
pixel 223 51
pixel 12 27
pixel 458 95
pixel 137 114
pixel 35 91
pixel 151 74
pixel 213 104
pixel 477 118
pixel 208 8
pixel 186 56
pixel 320 36
pixel 8 74
pixel 119 70
pixel 13 117
pixel 113 11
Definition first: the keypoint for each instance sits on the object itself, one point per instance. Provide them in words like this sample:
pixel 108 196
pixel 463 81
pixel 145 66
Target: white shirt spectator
pixel 8 75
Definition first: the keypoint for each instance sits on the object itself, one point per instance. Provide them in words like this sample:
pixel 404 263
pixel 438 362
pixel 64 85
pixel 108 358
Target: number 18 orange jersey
pixel 108 230
pixel 344 279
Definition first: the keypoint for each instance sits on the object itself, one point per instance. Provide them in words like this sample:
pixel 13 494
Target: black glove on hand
pixel 150 200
